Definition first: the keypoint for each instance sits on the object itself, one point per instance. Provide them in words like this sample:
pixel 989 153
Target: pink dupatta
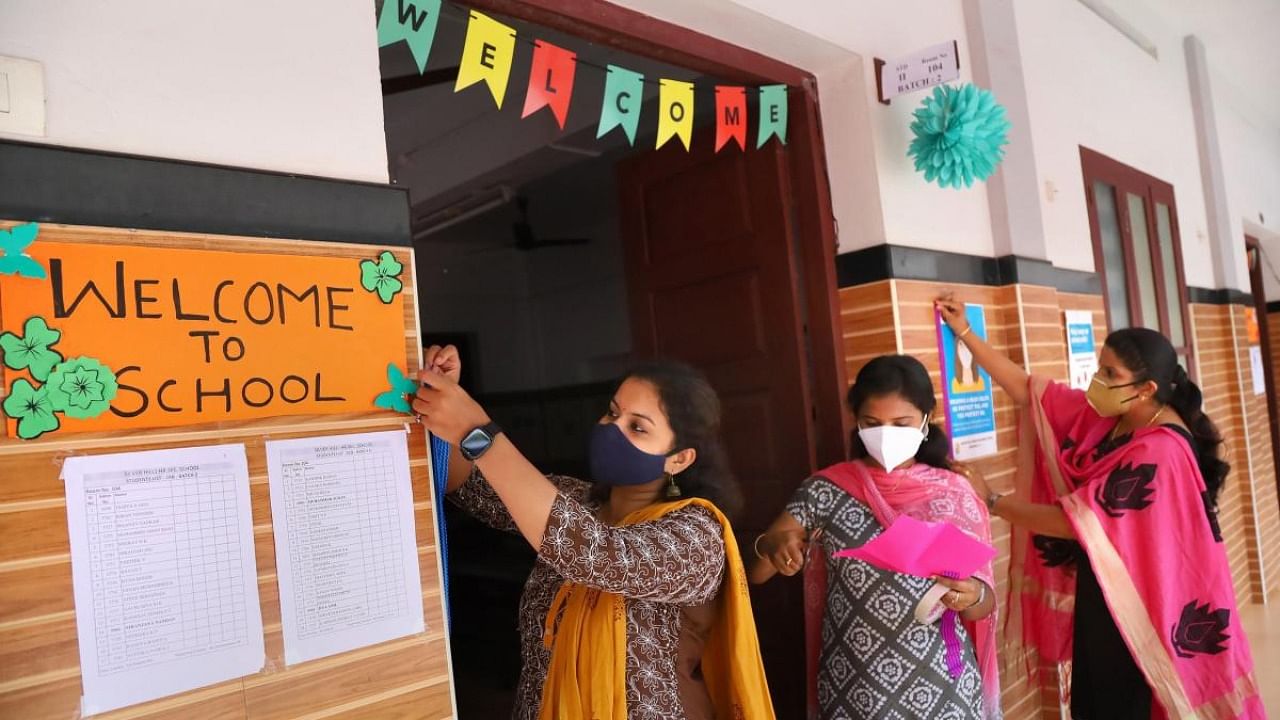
pixel 1139 514
pixel 924 493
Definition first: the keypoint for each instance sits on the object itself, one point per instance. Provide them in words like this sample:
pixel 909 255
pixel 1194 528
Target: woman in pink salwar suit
pixel 1118 564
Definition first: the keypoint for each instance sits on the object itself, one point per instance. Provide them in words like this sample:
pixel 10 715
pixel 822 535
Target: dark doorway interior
pixel 554 260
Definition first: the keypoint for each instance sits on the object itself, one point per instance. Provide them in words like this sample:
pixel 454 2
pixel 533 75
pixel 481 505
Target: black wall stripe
pixel 884 262
pixel 1206 296
pixel 80 187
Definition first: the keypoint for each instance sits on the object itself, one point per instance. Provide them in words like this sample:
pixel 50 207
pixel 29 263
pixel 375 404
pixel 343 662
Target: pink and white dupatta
pixel 924 493
pixel 1139 514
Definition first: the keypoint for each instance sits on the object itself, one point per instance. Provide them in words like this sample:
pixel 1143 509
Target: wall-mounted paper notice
pixel 1258 370
pixel 163 569
pixel 346 547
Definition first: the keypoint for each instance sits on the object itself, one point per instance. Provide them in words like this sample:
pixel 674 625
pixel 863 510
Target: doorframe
pixel 604 23
pixel 1258 286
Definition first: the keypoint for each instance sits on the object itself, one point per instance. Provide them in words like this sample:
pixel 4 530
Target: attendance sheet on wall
pixel 346 543
pixel 164 573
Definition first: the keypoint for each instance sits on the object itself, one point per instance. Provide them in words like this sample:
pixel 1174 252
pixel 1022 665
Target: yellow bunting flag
pixel 487 55
pixel 675 112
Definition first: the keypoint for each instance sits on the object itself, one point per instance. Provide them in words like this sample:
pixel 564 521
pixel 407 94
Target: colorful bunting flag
pixel 623 96
pixel 675 112
pixel 550 81
pixel 414 22
pixel 731 116
pixel 487 55
pixel 489 52
pixel 773 114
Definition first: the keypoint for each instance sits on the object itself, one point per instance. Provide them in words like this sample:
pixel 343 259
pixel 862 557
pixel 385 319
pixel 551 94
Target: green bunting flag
pixel 623 95
pixel 414 22
pixel 773 114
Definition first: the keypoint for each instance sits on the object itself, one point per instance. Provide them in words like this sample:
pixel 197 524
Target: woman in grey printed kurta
pixel 877 659
pixel 881 652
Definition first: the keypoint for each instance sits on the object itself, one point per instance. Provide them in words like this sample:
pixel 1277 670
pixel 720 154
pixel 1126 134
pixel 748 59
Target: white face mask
pixel 891 445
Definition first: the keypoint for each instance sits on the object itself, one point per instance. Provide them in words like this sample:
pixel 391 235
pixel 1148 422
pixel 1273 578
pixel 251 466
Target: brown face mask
pixel 1109 400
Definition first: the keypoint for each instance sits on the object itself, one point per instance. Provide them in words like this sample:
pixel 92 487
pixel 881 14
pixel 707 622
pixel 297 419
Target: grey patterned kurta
pixel 669 570
pixel 877 661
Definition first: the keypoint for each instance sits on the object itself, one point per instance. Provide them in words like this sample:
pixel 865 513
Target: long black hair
pixel 1150 356
pixel 692 408
pixel 906 376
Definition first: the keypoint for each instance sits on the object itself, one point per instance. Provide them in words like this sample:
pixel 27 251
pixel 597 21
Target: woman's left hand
pixel 963 595
pixel 446 409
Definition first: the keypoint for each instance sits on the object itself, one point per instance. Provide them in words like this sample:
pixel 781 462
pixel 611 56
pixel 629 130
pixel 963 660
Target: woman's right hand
pixel 443 360
pixel 952 312
pixel 785 549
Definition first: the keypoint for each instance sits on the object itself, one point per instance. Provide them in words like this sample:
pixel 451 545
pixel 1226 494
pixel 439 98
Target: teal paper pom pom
pixel 959 135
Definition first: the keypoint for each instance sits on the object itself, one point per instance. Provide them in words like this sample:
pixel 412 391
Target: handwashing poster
pixel 966 391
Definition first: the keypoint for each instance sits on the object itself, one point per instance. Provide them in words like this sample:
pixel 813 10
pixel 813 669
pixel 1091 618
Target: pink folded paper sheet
pixel 924 549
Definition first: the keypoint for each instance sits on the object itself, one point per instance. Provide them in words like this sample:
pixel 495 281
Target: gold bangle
pixel 968 329
pixel 756 545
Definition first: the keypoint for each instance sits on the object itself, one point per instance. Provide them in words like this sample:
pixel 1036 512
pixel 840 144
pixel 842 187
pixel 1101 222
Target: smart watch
pixel 478 441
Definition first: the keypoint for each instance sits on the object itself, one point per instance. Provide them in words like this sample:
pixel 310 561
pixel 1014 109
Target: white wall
pixel 876 192
pixel 1088 85
pixel 279 86
pixel 1250 144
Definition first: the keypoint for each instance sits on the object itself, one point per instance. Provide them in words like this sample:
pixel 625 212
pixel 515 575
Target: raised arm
pixel 450 413
pixel 1007 374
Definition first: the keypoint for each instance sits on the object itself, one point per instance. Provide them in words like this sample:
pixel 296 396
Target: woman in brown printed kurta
pixel 669 571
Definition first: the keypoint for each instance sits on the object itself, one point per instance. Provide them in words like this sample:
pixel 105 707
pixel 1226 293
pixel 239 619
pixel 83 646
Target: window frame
pixel 1125 179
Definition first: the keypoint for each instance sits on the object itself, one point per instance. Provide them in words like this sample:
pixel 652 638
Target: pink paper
pixel 925 549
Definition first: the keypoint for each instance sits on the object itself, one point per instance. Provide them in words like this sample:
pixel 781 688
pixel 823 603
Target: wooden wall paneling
pixel 39 655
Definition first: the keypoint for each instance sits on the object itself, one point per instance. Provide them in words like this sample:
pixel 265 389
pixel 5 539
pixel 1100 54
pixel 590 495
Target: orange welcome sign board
pixel 200 336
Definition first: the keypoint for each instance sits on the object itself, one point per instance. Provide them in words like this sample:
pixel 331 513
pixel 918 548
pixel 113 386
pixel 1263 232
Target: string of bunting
pixel 489 51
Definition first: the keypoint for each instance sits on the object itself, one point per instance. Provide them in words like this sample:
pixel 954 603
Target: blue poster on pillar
pixel 966 391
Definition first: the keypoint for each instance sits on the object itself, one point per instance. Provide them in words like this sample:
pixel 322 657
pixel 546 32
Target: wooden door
pixel 711 278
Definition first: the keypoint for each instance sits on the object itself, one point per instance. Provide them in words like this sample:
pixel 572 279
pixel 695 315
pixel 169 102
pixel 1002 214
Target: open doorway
pixel 555 259
pixel 1260 265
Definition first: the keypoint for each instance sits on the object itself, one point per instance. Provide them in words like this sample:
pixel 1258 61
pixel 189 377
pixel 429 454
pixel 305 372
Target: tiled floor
pixel 1262 624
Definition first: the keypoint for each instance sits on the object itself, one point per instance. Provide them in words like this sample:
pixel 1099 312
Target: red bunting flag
pixel 731 116
pixel 550 81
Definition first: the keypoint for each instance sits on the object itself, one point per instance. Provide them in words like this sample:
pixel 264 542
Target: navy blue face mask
pixel 615 461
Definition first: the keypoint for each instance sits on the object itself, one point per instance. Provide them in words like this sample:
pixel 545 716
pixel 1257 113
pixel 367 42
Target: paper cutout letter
pixel 731 116
pixel 675 112
pixel 550 81
pixel 773 114
pixel 623 96
pixel 487 55
pixel 414 22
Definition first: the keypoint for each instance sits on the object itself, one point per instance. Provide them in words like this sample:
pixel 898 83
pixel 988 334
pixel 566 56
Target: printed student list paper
pixel 346 547
pixel 162 563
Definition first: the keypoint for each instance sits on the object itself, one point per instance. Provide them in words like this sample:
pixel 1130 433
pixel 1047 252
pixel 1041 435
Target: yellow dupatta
pixel 586 679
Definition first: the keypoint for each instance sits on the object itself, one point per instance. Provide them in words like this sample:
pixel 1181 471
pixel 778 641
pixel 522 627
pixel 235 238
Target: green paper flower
pixel 382 277
pixel 15 260
pixel 81 388
pixel 960 134
pixel 32 408
pixel 32 351
pixel 397 398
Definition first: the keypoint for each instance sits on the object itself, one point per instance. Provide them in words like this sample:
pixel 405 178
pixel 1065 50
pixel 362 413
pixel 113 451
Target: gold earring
pixel 673 490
